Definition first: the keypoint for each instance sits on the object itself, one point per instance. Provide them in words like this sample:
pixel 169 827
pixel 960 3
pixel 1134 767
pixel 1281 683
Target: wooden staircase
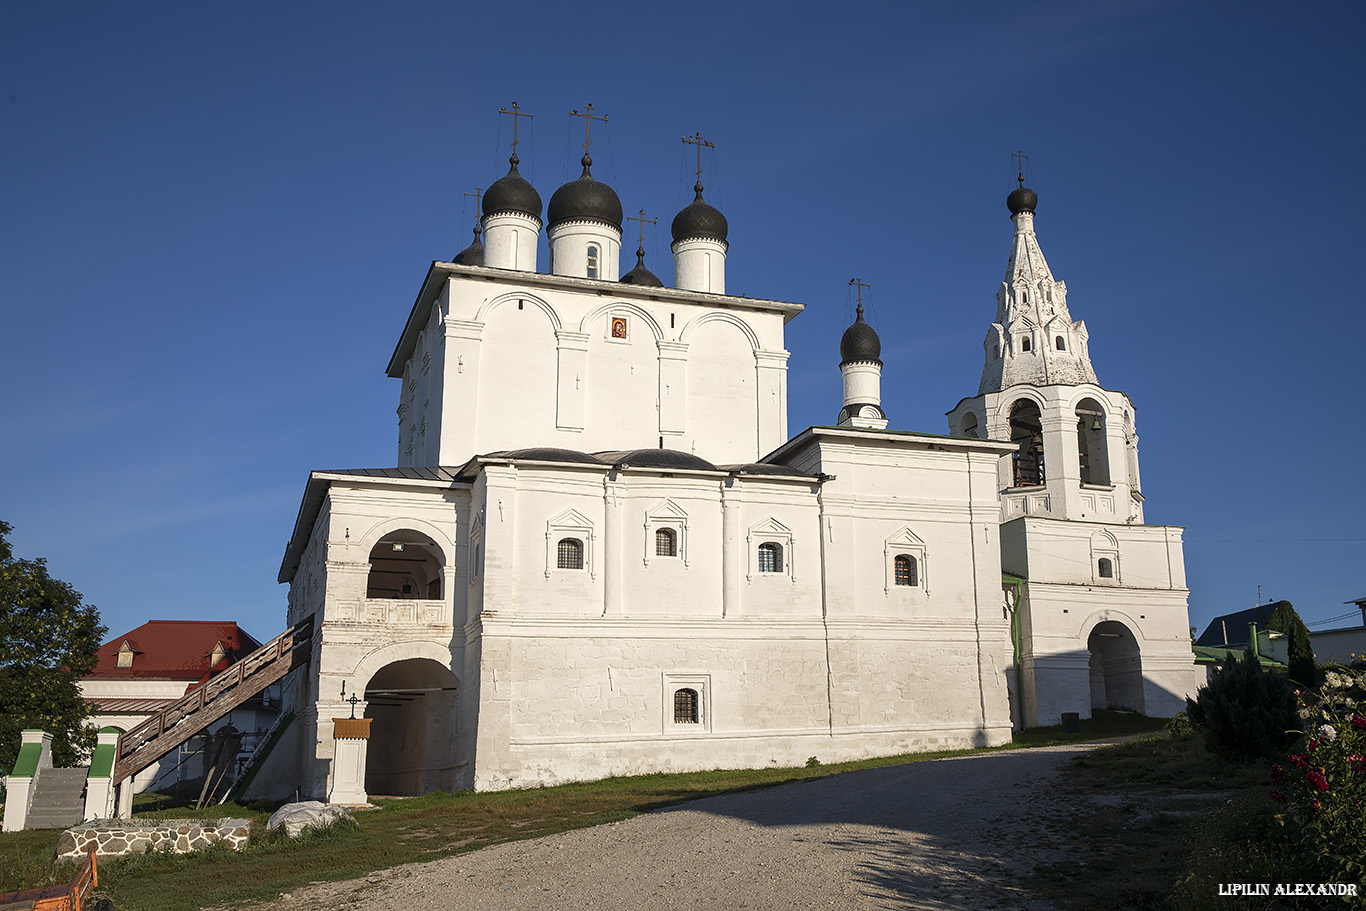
pixel 178 722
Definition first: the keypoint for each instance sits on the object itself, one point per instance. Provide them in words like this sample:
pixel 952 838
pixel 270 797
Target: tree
pixel 1246 712
pixel 48 639
pixel 1300 656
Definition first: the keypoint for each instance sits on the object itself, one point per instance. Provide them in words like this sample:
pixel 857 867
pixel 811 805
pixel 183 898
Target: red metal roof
pixel 174 649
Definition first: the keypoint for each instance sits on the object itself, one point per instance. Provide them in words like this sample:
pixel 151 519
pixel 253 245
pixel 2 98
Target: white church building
pixel 601 554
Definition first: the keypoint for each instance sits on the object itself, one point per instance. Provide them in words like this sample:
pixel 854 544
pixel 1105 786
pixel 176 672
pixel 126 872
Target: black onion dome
pixel 641 275
pixel 658 458
pixel 551 454
pixel 512 193
pixel 698 219
pixel 473 255
pixel 585 198
pixel 860 342
pixel 1022 199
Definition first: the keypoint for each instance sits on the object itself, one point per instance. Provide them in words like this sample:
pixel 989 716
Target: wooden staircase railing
pixel 143 745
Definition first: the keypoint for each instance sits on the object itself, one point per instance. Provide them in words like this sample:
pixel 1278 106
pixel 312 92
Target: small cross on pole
pixel 478 195
pixel 859 284
pixel 697 140
pixel 588 118
pixel 1020 159
pixel 642 219
pixel 515 112
pixel 353 700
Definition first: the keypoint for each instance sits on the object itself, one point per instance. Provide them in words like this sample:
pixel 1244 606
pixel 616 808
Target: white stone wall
pixel 1063 495
pixel 503 362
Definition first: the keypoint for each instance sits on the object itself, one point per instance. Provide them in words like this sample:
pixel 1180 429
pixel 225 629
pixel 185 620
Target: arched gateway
pixel 413 745
pixel 1116 668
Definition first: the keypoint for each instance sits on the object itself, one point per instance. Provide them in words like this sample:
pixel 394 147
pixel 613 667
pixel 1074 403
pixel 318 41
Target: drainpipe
pixel 1015 641
pixel 1256 652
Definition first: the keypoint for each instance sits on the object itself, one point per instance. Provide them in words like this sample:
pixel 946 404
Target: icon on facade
pixel 618 327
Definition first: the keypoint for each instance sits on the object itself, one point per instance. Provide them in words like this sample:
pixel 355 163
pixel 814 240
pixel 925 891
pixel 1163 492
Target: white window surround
pixel 666 514
pixel 1104 546
pixel 770 530
pixel 475 551
pixel 672 683
pixel 569 524
pixel 905 541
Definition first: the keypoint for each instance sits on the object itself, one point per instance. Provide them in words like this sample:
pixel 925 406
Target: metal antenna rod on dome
pixel 1020 159
pixel 587 124
pixel 515 112
pixel 642 219
pixel 697 140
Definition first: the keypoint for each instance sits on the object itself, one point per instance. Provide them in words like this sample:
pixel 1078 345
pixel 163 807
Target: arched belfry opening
pixel 1026 432
pixel 413 744
pixel 405 565
pixel 1116 668
pixel 1092 450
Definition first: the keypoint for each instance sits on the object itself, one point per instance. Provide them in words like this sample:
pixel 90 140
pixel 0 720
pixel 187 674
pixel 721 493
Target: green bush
pixel 1246 713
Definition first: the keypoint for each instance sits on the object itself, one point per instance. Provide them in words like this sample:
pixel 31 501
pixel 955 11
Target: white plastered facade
pixel 614 561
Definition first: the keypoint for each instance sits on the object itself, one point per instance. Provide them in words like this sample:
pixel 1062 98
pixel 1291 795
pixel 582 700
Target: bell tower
pixel 1077 455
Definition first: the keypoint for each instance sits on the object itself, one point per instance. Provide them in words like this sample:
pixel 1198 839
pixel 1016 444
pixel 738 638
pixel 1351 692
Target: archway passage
pixel 413 745
pixel 405 564
pixel 1116 668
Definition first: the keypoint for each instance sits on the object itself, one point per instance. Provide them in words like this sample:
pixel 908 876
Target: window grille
pixel 904 570
pixel 685 707
pixel 666 543
pixel 770 557
pixel 569 554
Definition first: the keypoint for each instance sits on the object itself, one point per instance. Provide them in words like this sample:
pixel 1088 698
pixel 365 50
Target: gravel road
pixel 949 834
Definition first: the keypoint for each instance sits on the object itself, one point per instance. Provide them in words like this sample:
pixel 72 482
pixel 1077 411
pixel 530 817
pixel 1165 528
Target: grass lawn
pixel 1164 813
pixel 420 829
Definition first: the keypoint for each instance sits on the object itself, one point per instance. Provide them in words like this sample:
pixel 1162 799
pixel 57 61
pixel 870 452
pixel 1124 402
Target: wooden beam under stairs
pixel 178 722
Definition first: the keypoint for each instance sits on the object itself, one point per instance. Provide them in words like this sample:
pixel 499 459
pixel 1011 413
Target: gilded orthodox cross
pixel 697 140
pixel 588 119
pixel 642 219
pixel 515 112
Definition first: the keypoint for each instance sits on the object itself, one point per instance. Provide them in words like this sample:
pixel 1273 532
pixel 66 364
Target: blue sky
pixel 216 218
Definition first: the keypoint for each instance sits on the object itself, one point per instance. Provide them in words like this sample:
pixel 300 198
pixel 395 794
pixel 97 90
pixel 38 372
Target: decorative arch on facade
pixel 440 539
pixel 723 317
pixel 570 525
pixel 904 543
pixel 375 659
pixel 666 516
pixel 524 299
pixel 968 425
pixel 771 532
pixel 591 319
pixel 1105 569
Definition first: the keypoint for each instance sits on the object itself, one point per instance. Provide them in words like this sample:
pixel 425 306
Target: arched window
pixel 1026 432
pixel 1105 568
pixel 1024 343
pixel 1061 345
pixel 666 543
pixel 770 557
pixel 905 570
pixel 592 260
pixel 685 707
pixel 569 554
pixel 1092 449
pixel 968 426
pixel 996 352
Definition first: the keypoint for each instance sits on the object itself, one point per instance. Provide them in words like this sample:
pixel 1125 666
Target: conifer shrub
pixel 1245 712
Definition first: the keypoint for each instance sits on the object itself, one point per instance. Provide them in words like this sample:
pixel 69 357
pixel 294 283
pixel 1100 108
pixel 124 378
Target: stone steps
pixel 57 799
